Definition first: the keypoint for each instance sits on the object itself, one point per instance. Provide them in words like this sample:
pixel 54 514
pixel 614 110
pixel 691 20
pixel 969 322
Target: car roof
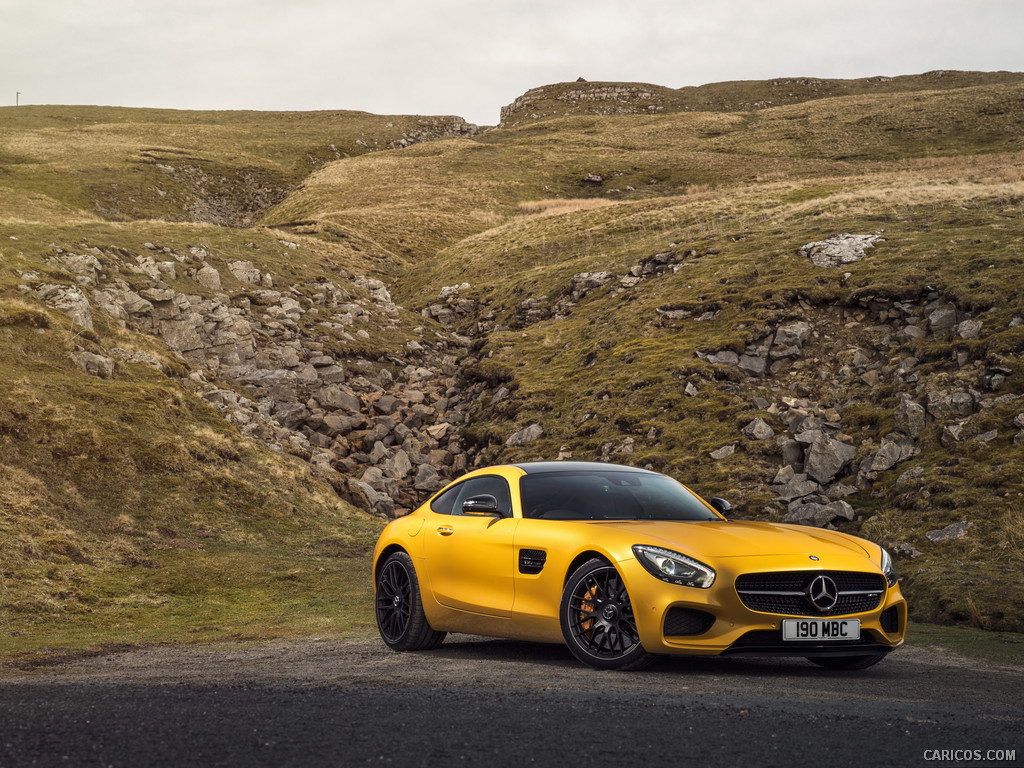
pixel 546 467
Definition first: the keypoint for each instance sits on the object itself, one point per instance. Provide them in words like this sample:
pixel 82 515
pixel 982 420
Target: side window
pixel 492 485
pixel 444 503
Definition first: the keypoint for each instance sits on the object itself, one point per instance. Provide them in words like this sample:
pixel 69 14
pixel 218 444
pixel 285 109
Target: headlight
pixel 673 567
pixel 888 568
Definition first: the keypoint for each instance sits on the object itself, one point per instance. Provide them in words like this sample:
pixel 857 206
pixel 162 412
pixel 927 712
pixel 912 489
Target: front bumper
pixel 673 619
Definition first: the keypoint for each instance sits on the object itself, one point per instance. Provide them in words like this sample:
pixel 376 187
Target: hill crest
pixel 584 97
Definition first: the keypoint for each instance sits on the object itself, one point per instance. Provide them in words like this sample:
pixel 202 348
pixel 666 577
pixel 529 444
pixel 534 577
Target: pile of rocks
pixel 779 346
pixel 432 129
pixel 537 308
pixel 384 431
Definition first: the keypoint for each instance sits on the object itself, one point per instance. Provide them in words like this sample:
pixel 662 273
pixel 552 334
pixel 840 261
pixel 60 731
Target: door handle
pixel 445 530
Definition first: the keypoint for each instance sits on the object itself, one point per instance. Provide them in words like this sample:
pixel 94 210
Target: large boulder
pixel 70 300
pixel 827 457
pixel 817 514
pixel 838 249
pixel 792 334
pixel 909 418
pixel 945 405
pixel 758 429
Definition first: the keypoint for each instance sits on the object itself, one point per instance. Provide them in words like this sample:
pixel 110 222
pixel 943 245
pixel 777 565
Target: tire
pixel 597 619
pixel 847 662
pixel 400 619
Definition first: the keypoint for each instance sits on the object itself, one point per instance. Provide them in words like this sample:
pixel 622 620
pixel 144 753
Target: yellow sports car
pixel 620 563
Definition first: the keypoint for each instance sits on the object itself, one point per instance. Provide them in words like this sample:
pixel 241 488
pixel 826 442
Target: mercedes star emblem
pixel 823 593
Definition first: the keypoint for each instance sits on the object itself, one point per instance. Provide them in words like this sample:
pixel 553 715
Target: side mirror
pixel 721 505
pixel 484 505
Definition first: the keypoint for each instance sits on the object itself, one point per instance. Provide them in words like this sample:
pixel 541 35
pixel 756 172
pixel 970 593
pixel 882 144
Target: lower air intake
pixel 687 621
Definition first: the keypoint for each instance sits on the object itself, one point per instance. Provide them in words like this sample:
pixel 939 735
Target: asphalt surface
pixel 499 703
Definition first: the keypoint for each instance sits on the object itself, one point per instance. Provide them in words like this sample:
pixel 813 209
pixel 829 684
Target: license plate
pixel 821 629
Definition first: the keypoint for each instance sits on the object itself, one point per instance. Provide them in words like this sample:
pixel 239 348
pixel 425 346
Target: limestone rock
pixel 827 457
pixel 838 249
pixel 758 429
pixel 94 365
pixel 909 475
pixel 363 495
pixel 888 456
pixel 951 532
pixel 724 357
pixel 792 334
pixel 399 465
pixel 724 452
pixel 208 277
pixel 245 272
pixel 944 405
pixel 907 549
pixel 969 329
pixel 428 479
pixel 799 487
pixel 817 514
pixel 584 282
pixel 754 365
pixel 952 434
pixel 909 418
pixel 70 300
pixel 527 434
pixel 942 318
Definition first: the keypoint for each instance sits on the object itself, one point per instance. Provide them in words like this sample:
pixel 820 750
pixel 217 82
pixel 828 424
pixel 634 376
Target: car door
pixel 469 559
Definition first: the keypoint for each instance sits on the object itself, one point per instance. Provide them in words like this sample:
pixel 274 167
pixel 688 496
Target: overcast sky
pixel 468 57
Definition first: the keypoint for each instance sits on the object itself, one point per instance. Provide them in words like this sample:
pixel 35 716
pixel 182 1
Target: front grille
pixel 890 620
pixel 687 621
pixel 786 592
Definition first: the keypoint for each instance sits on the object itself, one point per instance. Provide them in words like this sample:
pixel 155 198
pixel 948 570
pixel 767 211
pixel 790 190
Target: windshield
pixel 596 495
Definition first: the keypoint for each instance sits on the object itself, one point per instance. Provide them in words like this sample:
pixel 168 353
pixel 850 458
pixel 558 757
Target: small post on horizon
pixel 17 99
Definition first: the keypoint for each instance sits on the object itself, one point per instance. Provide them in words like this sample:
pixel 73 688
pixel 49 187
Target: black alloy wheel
pixel 400 618
pixel 597 618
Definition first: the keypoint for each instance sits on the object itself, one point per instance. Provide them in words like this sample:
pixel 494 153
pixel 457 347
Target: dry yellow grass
pixel 558 206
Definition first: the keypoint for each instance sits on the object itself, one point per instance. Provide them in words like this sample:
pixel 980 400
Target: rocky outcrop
pixel 591 98
pixel 432 129
pixel 384 431
pixel 839 249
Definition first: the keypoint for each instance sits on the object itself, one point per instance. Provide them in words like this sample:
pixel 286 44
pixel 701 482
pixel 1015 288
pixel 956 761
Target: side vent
pixel 532 561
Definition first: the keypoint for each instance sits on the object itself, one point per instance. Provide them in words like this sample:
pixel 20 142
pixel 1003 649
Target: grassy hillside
pixel 220 167
pixel 133 509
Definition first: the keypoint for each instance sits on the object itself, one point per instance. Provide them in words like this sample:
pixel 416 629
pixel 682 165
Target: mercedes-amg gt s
pixel 620 563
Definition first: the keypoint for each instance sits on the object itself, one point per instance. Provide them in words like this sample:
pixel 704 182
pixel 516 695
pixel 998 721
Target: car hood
pixel 739 538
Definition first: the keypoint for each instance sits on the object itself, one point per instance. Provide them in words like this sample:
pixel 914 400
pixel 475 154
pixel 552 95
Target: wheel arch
pixel 580 559
pixel 387 552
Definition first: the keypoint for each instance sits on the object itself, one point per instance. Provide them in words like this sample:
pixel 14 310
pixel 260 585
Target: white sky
pixel 465 57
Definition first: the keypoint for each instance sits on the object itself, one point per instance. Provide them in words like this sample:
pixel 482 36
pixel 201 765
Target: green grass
pixel 1003 648
pixel 224 593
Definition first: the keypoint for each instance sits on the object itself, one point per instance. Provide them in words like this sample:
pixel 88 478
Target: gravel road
pixel 475 701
